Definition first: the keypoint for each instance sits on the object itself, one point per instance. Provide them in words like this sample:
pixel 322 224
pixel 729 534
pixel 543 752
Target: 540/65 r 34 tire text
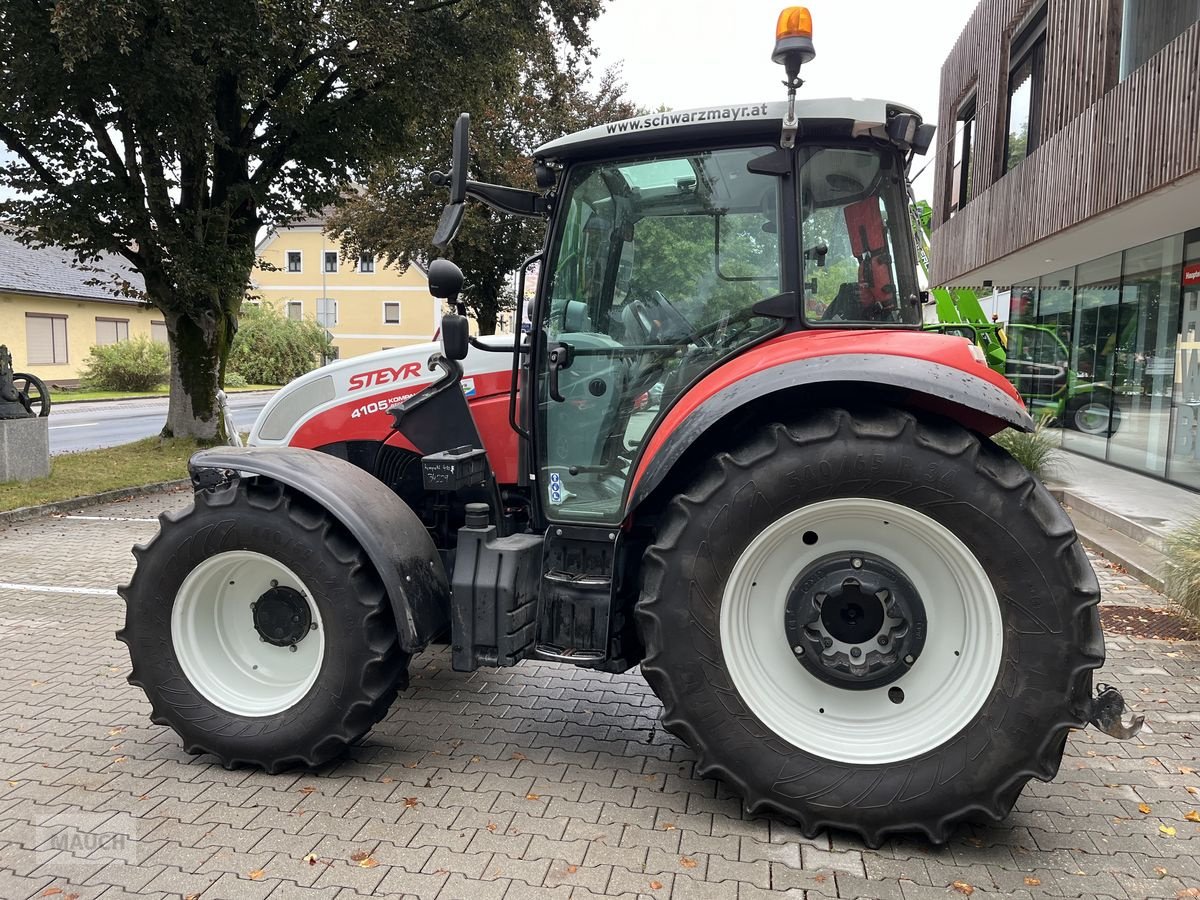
pixel 872 622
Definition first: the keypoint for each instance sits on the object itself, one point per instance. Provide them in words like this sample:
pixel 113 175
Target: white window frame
pixel 335 312
pixel 287 311
pixel 325 262
pixel 399 314
pixel 359 265
pixel 287 262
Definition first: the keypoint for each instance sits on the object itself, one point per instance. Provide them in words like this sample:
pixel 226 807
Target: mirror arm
pixel 508 199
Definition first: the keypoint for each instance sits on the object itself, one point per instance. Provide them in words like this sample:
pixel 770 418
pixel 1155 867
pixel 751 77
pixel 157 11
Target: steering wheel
pixel 658 320
pixel 32 393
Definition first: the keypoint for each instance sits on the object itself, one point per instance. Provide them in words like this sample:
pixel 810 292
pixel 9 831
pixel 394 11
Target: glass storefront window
pixel 1087 412
pixel 1147 331
pixel 1185 433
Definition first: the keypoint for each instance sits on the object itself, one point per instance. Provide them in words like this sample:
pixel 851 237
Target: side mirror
pixel 456 336
pixel 445 280
pixel 452 215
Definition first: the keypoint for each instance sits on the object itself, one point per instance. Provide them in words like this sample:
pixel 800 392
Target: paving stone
pixel 616 798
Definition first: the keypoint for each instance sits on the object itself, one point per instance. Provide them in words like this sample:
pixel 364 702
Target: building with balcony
pixel 1068 171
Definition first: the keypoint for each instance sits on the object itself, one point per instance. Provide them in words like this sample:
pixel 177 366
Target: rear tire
pixel 220 598
pixel 986 697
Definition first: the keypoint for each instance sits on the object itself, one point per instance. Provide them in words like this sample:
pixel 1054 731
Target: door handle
pixel 560 357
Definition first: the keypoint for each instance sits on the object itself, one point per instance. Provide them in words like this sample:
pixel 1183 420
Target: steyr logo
pixel 386 375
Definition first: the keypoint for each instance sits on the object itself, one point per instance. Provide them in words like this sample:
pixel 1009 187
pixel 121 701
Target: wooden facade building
pixel 1107 93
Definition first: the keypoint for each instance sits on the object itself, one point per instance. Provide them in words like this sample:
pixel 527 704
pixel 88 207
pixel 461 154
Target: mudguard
pixel 938 381
pixel 391 534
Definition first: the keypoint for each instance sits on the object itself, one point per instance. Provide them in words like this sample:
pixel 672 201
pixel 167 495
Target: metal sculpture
pixel 34 395
pixel 11 404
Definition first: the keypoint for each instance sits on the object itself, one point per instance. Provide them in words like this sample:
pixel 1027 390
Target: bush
pixel 1037 451
pixel 272 349
pixel 235 380
pixel 1183 579
pixel 137 365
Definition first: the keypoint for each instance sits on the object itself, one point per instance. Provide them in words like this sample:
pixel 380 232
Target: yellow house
pixel 51 315
pixel 365 306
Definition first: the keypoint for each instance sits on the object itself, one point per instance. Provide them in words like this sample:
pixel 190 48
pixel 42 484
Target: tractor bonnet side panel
pixel 349 400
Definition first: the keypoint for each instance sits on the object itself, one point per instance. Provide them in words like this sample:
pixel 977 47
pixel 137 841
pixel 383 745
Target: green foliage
pixel 1037 450
pixel 170 131
pixel 1183 582
pixel 395 216
pixel 136 365
pixel 273 349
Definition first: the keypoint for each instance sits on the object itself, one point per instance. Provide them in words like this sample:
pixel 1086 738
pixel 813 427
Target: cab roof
pixel 834 116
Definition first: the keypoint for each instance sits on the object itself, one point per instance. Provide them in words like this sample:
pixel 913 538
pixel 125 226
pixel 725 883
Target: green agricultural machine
pixel 1035 359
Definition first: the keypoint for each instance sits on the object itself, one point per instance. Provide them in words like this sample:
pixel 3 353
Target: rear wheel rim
pixel 1093 418
pixel 938 696
pixel 219 648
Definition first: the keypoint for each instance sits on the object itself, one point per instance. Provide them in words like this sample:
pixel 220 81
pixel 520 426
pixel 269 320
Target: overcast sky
pixel 689 53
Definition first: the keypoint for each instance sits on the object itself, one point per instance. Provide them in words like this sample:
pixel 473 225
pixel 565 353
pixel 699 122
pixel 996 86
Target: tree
pixel 396 214
pixel 171 131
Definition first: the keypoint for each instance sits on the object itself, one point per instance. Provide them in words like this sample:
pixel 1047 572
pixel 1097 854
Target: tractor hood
pixel 358 392
pixel 843 117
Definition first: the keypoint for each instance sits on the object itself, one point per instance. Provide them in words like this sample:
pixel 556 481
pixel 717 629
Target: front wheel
pixel 1094 414
pixel 871 622
pixel 259 630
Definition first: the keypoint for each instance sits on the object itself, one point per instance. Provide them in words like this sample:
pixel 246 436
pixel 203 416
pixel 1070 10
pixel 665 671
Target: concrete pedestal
pixel 24 449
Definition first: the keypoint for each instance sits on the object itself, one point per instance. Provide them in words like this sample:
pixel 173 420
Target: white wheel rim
pixel 945 688
pixel 1092 418
pixel 218 647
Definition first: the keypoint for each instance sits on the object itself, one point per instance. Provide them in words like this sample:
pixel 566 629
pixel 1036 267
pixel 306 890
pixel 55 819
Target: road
pixel 86 426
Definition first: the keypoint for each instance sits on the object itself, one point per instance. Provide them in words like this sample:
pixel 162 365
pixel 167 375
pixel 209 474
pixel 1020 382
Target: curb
pixel 24 513
pixel 235 392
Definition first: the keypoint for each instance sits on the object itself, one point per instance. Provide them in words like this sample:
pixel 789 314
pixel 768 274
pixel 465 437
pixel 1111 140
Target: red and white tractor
pixel 725 452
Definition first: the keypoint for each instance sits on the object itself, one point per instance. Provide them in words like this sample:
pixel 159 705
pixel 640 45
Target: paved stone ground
pixel 533 782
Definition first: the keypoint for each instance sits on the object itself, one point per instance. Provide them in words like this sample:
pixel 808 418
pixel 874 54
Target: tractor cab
pixel 676 241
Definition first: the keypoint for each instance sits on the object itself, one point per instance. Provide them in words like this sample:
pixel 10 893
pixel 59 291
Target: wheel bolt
pixel 312 627
pixel 883 640
pixel 827 642
pixel 855 652
pixel 856 563
pixel 274 583
pixel 292 647
pixel 908 660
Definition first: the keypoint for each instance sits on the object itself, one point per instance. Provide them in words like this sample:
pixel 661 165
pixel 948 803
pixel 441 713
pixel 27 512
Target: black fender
pixel 389 532
pixel 955 393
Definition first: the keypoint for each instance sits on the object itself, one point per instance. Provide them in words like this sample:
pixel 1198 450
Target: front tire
pixel 259 630
pixel 1094 414
pixel 771 662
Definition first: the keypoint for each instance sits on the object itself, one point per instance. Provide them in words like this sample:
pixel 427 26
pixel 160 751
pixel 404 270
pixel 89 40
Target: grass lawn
pixel 57 397
pixel 92 471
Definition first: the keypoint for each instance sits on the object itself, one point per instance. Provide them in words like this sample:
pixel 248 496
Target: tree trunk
pixel 199 350
pixel 486 319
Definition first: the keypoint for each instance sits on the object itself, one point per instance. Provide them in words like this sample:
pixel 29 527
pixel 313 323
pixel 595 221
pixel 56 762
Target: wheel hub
pixel 282 616
pixel 855 621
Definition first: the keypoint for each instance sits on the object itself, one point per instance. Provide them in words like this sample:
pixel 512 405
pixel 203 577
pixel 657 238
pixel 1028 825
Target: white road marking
pixel 48 589
pixel 80 425
pixel 108 519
